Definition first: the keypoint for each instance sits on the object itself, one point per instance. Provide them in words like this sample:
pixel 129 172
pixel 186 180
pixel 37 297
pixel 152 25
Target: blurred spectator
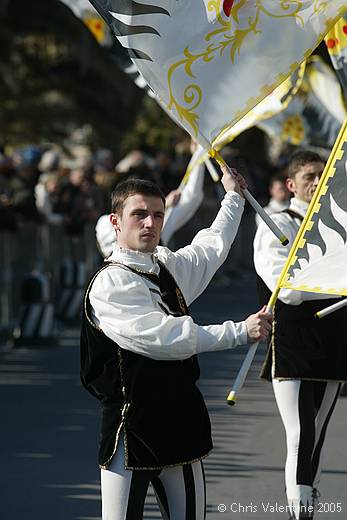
pixel 23 183
pixel 104 160
pixel 165 174
pixel 47 195
pixel 50 161
pixel 7 213
pixel 280 196
pixel 105 235
pixel 79 201
pixel 105 176
pixel 136 164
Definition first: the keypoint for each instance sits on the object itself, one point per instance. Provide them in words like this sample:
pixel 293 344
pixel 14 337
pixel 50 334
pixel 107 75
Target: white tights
pixel 180 490
pixel 305 408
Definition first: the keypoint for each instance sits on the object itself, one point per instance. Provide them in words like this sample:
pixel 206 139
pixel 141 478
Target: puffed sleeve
pixel 193 266
pixel 123 308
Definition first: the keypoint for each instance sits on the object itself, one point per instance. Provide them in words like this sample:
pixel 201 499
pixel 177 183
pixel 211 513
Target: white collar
pixel 147 262
pixel 300 206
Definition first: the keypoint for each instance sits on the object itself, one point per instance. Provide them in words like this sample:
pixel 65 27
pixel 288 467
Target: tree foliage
pixel 153 129
pixel 55 77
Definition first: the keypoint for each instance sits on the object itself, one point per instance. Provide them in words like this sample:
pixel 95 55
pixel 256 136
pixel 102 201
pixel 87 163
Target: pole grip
pixel 241 376
pixel 332 308
pixel 266 218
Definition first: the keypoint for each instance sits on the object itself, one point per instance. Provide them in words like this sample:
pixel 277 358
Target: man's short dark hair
pixel 299 159
pixel 133 187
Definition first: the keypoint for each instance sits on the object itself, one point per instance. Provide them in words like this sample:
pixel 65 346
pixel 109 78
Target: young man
pixel 307 357
pixel 138 353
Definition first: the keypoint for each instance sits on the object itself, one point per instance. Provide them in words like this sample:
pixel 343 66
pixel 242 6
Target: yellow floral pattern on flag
pixel 336 42
pixel 336 39
pixel 293 129
pixel 315 115
pixel 97 27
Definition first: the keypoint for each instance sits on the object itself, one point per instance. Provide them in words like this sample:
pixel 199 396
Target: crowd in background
pixel 70 193
pixel 50 204
pixel 39 185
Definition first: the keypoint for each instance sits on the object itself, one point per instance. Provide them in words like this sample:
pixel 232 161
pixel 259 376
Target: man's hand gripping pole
pixel 255 205
pixel 241 376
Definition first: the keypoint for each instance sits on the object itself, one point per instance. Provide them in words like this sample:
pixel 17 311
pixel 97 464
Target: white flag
pixel 211 62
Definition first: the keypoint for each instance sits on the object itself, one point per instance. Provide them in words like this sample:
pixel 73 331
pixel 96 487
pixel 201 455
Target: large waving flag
pixel 318 258
pixel 211 62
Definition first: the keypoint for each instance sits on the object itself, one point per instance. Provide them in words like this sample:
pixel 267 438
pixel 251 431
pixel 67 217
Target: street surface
pixel 49 432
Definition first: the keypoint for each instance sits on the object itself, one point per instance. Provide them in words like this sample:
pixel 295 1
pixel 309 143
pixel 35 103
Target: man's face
pixel 306 181
pixel 139 226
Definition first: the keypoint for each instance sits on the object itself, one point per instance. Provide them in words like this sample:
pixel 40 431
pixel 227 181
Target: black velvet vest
pixel 302 346
pixel 156 403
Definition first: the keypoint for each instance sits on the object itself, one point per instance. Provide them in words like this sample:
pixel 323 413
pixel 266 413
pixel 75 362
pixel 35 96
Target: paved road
pixel 49 433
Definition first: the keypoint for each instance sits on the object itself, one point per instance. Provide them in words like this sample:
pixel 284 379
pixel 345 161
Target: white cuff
pixel 241 335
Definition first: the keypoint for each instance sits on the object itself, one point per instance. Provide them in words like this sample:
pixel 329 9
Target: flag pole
pixel 332 308
pixel 246 365
pixel 248 196
pixel 256 206
pixel 212 170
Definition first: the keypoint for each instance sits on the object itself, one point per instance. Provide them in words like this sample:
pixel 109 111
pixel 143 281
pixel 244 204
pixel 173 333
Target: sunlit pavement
pixel 49 432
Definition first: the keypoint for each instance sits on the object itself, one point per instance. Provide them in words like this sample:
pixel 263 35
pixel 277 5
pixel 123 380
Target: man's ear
pixel 290 184
pixel 115 221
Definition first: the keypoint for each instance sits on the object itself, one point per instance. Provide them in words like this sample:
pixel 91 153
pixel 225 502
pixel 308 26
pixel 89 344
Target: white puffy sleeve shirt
pixel 128 308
